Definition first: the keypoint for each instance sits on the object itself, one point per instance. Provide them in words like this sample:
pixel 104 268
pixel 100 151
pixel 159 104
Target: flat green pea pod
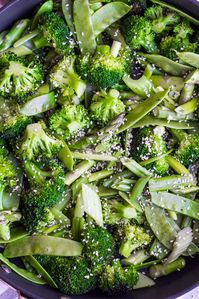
pixel 142 110
pixel 189 58
pixel 167 65
pixel 39 104
pixel 84 26
pixel 193 78
pixel 142 87
pixel 162 226
pixel 107 15
pixel 67 8
pixel 16 233
pixel 66 157
pixel 167 82
pixel 46 7
pixel 22 272
pixel 44 245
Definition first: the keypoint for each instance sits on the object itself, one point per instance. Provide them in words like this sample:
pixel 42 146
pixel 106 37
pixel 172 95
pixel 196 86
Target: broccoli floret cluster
pixel 69 121
pixel 19 77
pixel 118 280
pixel 149 143
pixel 103 70
pixel 106 106
pixel 54 33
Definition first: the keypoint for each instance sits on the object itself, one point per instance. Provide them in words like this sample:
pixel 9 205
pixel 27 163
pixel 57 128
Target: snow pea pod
pixel 39 104
pixel 135 167
pixel 168 81
pixel 83 26
pixel 22 272
pixel 67 8
pixel 44 245
pixel 142 110
pixel 142 87
pixel 161 225
pixel 16 233
pixel 107 15
pixel 176 203
pixel 167 65
pixel 78 171
pixel 189 58
pixel 46 7
pixel 66 157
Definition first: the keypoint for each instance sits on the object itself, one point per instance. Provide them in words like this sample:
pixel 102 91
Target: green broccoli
pixel 161 20
pixel 188 150
pixel 64 77
pixel 99 247
pixel 118 280
pixel 132 237
pixel 72 275
pixel 7 217
pixel 54 33
pixel 19 77
pixel 149 143
pixel 138 33
pixel 36 144
pixel 106 106
pixel 179 41
pixel 70 120
pixel 106 68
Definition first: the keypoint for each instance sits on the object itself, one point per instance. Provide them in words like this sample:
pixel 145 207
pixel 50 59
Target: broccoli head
pixel 132 237
pixel 150 143
pixel 70 120
pixel 117 280
pixel 99 247
pixel 36 202
pixel 103 70
pixel 178 41
pixel 106 106
pixel 188 150
pixel 36 144
pixel 54 33
pixel 64 77
pixel 18 76
pixel 72 275
pixel 162 20
pixel 138 33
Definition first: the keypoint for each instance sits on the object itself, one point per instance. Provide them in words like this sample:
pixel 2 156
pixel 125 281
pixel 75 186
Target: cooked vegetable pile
pixel 99 144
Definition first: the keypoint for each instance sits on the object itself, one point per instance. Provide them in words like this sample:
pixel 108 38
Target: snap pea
pixel 161 225
pixel 22 272
pixel 39 104
pixel 67 8
pixel 93 156
pixel 158 250
pixel 165 113
pixel 66 157
pixel 152 160
pixel 189 58
pixel 188 107
pixel 167 65
pixel 83 26
pixel 21 51
pixel 138 188
pixel 99 175
pixel 142 110
pixel 135 167
pixel 180 12
pixel 78 171
pixel 186 93
pixel 193 78
pixel 106 192
pixel 26 38
pixel 167 82
pixel 142 87
pixel 165 269
pixel 107 15
pixel 15 234
pixel 44 245
pixel 176 203
pixel 46 7
pixel 176 165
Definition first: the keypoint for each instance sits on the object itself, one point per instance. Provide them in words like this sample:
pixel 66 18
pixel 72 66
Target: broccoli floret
pixel 179 41
pixel 18 76
pixel 104 70
pixel 72 275
pixel 54 33
pixel 64 77
pixel 6 219
pixel 117 280
pixel 188 150
pixel 132 237
pixel 149 143
pixel 36 144
pixel 69 121
pixel 36 202
pixel 106 106
pixel 161 21
pixel 99 247
pixel 138 33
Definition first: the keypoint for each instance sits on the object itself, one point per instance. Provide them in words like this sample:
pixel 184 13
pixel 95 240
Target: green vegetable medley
pixel 99 144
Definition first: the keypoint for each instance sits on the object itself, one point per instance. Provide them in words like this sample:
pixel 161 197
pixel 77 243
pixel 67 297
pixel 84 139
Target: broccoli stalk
pixel 36 143
pixel 19 77
pixel 6 220
pixel 133 237
pixel 188 149
pixel 64 77
pixel 118 280
pixel 105 107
